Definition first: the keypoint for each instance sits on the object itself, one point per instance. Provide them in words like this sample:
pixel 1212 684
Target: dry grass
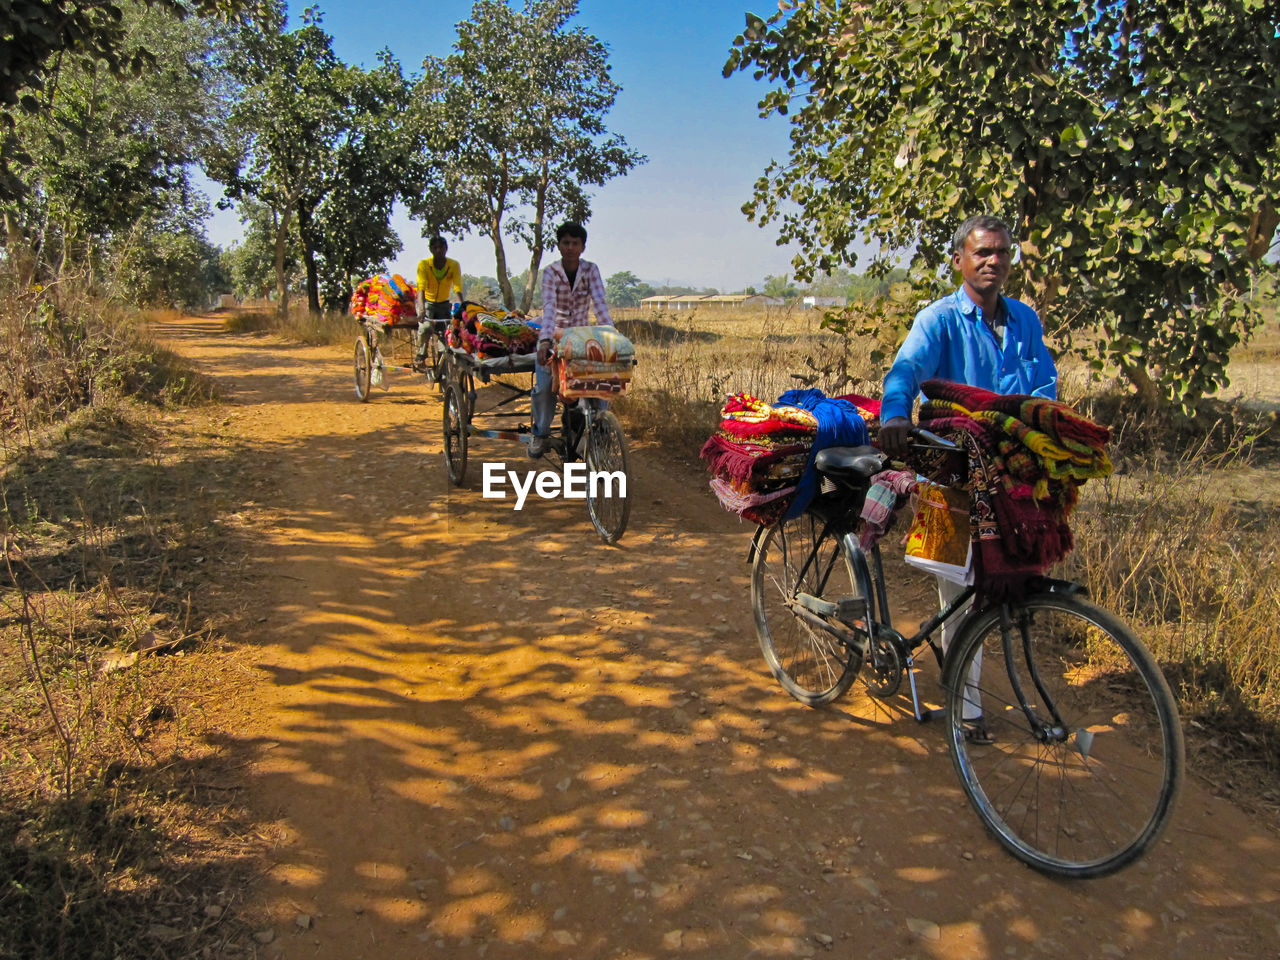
pixel 111 646
pixel 690 361
pixel 298 325
pixel 1189 554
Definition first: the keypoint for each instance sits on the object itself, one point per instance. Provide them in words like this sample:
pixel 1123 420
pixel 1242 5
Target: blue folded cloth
pixel 839 425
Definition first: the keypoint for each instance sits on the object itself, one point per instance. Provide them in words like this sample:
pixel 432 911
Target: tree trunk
pixel 496 209
pixel 282 237
pixel 309 259
pixel 500 261
pixel 1138 376
pixel 1262 228
pixel 539 217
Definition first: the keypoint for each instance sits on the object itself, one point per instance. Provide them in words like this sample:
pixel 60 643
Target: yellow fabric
pixel 437 291
pixel 940 530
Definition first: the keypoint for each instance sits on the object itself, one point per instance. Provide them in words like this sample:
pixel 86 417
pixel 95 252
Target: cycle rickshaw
pixel 583 432
pixel 384 309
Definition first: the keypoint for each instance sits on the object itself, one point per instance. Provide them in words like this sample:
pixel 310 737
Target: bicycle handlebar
pixel 931 441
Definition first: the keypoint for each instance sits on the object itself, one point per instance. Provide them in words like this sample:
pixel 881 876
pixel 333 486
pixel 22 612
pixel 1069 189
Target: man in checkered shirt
pixel 570 289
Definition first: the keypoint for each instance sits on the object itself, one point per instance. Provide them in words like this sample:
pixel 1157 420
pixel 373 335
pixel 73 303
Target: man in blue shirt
pixel 975 336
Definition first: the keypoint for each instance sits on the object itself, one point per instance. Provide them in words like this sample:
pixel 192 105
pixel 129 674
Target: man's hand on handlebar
pixel 894 434
pixel 544 352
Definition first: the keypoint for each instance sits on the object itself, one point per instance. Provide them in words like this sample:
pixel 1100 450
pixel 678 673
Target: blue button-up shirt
pixel 950 339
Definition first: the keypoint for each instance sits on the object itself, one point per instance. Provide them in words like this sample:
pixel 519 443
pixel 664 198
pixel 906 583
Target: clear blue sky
pixel 678 217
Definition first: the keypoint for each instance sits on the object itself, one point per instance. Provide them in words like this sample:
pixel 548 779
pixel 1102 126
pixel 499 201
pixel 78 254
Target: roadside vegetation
pixel 119 835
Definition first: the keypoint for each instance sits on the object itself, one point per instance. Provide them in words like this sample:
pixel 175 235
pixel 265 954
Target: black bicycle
pixel 1061 727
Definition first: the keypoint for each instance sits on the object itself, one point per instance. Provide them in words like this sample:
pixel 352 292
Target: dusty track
pixel 484 733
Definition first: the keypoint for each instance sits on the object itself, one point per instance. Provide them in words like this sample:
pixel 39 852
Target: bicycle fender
pixel 1066 588
pixel 755 543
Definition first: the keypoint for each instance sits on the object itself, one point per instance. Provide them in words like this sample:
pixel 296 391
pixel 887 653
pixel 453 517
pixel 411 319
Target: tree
pixel 780 287
pixel 624 289
pixel 252 262
pixel 299 130
pixel 1138 170
pixel 516 114
pixel 166 259
pixel 351 229
pixel 480 289
pixel 42 37
pixel 109 152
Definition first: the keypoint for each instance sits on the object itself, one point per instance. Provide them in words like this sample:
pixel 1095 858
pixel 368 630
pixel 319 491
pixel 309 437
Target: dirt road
pixel 483 733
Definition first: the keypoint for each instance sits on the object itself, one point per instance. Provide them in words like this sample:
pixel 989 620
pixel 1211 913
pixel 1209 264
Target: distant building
pixel 725 300
pixel 719 301
pixel 810 303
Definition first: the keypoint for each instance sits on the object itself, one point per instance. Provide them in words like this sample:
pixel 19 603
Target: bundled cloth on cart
pixel 761 455
pixel 491 332
pixel 1024 460
pixel 386 298
pixel 593 362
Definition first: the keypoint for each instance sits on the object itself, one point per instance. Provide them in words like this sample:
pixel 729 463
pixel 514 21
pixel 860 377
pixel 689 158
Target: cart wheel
pixel 607 495
pixel 456 428
pixel 364 367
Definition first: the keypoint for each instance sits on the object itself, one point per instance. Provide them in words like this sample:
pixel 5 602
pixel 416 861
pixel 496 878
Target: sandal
pixel 976 732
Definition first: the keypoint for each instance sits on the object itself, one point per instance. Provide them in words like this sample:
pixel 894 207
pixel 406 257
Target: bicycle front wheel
pixel 1085 756
pixel 794 557
pixel 606 459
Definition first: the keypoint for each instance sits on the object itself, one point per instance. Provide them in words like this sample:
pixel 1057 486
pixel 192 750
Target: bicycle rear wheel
pixel 457 418
pixel 1087 784
pixel 606 458
pixel 813 665
pixel 363 367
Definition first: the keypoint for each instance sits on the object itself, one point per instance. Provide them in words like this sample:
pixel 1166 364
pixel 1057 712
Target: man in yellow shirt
pixel 437 276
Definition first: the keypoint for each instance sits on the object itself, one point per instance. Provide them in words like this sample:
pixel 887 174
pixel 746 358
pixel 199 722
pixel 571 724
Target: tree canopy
pixel 515 125
pixel 106 159
pixel 1135 158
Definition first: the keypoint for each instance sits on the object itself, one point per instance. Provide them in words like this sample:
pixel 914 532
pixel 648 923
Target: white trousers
pixel 947 592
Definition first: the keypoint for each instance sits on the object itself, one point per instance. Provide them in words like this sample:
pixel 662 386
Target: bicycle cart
pixel 381 347
pixel 583 432
pixel 1082 753
pixel 385 309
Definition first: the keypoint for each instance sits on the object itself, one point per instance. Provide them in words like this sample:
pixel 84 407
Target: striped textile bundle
pixel 1026 459
pixel 756 456
pixel 386 298
pixel 593 362
pixel 491 332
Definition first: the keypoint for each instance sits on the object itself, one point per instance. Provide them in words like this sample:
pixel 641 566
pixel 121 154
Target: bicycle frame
pixel 876 620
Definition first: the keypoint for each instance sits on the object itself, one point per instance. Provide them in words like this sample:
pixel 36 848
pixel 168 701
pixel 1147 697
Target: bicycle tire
pixel 812 665
pixel 363 368
pixel 436 363
pixel 1086 796
pixel 606 453
pixel 456 429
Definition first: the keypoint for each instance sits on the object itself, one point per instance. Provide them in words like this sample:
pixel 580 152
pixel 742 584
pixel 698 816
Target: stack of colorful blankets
pixel 1024 461
pixel 386 298
pixel 490 332
pixel 761 455
pixel 593 362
